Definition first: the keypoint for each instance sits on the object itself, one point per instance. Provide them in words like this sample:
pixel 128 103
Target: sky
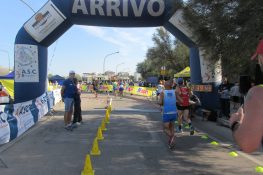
pixel 81 48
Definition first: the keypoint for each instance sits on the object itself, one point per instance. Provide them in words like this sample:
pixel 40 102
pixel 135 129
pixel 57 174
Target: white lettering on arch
pixel 161 7
pixel 97 4
pixel 113 5
pixel 125 8
pixel 79 5
pixel 138 10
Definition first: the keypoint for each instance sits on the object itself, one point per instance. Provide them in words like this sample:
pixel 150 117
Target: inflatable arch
pixel 57 16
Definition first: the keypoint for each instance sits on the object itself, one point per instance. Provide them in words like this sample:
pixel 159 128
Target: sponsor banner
pixel 202 88
pixel 211 70
pixel 51 100
pixel 105 88
pixel 9 87
pixel 26 63
pixel 142 91
pixel 84 87
pixel 45 21
pixel 23 115
pixel 57 95
pixel 15 119
pixel 4 128
pixel 178 21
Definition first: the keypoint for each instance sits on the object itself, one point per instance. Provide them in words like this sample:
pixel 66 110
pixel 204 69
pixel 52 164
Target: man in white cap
pixel 247 123
pixel 67 93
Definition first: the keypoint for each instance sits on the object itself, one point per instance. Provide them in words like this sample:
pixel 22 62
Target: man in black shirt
pixel 223 91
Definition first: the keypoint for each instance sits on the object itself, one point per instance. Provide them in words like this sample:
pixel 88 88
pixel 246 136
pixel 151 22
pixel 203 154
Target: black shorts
pixel 235 99
pixel 182 108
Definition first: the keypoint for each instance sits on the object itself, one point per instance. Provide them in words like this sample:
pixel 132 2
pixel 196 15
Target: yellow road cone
pixel 103 125
pixel 107 118
pixel 99 134
pixel 95 148
pixel 110 108
pixel 87 167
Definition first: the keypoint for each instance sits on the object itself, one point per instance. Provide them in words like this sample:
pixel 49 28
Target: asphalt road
pixel 134 144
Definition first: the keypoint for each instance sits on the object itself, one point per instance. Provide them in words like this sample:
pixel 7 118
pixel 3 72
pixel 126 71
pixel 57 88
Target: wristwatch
pixel 234 126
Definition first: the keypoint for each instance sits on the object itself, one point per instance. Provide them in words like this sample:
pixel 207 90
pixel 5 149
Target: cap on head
pixel 72 72
pixel 180 80
pixel 259 50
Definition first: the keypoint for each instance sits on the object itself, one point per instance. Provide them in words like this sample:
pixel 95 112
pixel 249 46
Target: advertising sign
pixel 45 21
pixel 211 70
pixel 105 88
pixel 22 112
pixel 178 21
pixel 202 88
pixel 26 63
pixel 18 118
pixel 4 128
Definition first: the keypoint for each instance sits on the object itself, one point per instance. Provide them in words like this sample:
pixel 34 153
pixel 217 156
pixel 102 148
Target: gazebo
pixel 184 73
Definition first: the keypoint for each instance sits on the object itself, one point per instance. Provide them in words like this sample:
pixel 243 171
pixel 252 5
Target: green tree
pixel 78 77
pixel 166 52
pixel 229 29
pixel 50 75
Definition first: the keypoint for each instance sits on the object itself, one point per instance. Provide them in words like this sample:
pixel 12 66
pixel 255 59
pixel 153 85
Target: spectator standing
pixel 223 91
pixel 67 93
pixel 77 119
pixel 235 96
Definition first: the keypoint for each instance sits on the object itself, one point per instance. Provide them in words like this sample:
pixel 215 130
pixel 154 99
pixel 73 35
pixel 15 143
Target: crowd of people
pixel 244 96
pixel 71 91
pixel 178 103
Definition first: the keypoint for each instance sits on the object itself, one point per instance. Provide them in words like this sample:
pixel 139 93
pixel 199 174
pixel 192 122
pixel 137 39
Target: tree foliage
pixel 166 52
pixel 229 29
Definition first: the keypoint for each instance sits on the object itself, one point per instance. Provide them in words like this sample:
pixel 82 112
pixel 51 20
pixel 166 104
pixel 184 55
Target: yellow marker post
pixel 187 127
pixel 103 125
pixel 95 148
pixel 204 137
pixel 259 169
pixel 110 109
pixel 233 154
pixel 107 118
pixel 214 143
pixel 87 167
pixel 99 134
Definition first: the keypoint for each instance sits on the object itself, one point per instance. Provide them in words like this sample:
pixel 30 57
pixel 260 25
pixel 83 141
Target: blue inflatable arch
pixel 57 16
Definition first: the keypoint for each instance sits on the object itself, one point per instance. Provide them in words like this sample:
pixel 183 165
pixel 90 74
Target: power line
pixel 28 5
pixel 54 51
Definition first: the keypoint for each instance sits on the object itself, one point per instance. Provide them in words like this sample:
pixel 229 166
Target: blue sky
pixel 82 48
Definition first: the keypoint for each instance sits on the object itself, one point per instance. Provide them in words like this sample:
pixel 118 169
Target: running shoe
pixel 69 128
pixel 192 131
pixel 74 125
pixel 179 130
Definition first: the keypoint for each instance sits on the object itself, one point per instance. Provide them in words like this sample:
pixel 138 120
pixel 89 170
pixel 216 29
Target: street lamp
pixel 106 57
pixel 118 66
pixel 5 51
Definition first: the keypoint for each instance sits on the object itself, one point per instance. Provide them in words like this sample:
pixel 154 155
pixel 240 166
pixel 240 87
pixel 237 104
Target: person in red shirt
pixel 183 94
